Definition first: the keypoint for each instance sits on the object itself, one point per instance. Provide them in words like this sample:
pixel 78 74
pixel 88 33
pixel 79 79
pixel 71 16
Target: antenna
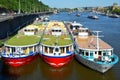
pixel 97 36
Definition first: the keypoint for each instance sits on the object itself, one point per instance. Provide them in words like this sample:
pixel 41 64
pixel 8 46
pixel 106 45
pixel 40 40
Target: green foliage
pixel 26 5
pixel 116 11
pixel 61 40
pixel 1 43
pixel 21 40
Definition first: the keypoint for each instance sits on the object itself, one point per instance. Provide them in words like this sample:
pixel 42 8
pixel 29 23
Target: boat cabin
pixel 77 29
pixel 17 51
pixel 75 26
pixel 58 41
pixel 29 31
pixel 55 50
pixel 56 31
pixel 83 32
pixel 102 55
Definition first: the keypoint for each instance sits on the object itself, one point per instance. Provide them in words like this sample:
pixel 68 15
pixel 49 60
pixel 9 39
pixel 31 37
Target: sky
pixel 78 3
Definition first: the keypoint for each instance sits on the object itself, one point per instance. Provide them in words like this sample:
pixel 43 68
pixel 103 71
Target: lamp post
pixel 19 9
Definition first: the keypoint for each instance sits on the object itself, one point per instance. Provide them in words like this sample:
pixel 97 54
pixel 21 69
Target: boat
pixel 77 14
pixel 90 50
pixel 56 46
pixel 93 17
pixel 113 15
pixel 22 48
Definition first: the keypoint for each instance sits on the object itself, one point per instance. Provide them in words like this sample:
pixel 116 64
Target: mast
pixel 97 36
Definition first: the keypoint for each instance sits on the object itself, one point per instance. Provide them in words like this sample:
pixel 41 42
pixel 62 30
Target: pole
pixel 19 9
pixel 97 40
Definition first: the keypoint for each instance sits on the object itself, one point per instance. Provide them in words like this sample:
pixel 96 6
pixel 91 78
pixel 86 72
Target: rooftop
pixel 52 40
pixel 91 43
pixel 22 40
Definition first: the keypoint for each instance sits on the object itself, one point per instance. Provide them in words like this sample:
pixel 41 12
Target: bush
pixel 1 43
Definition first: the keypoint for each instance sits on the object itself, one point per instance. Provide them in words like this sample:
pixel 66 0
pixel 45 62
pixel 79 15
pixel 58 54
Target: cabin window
pixel 62 49
pixel 99 52
pixel 67 48
pixel 82 52
pixel 25 30
pixel 56 49
pixel 71 27
pixel 104 54
pixel 28 30
pixel 24 49
pixel 30 49
pixel 32 30
pixel 8 49
pixel 56 30
pixel 59 30
pixel 35 48
pixel 87 54
pixel 91 53
pixel 13 49
pixel 86 30
pixel 46 49
pixel 95 52
pixel 50 49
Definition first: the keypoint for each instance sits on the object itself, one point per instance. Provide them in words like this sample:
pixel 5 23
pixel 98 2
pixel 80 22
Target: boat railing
pixel 107 59
pixel 14 54
pixel 103 59
pixel 61 54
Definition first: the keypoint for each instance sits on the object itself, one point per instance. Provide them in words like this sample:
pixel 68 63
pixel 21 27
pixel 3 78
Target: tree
pixel 115 4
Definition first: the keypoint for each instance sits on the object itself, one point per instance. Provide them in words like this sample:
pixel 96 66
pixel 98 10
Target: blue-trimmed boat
pixel 23 47
pixel 91 50
pixel 56 46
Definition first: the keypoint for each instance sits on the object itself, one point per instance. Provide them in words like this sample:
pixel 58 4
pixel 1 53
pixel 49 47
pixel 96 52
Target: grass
pixel 22 40
pixel 52 40
pixel 38 24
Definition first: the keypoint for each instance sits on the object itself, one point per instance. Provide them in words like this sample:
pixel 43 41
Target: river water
pixel 39 70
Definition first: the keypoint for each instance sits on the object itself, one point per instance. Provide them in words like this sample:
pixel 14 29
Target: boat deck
pixel 52 40
pixel 91 43
pixel 21 39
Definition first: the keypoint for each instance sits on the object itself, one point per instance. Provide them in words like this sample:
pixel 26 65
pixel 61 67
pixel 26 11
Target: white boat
pixel 77 14
pixel 90 50
pixel 23 47
pixel 93 17
pixel 114 16
pixel 56 46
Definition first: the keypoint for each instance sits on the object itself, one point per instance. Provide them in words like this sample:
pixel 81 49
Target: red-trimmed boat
pixel 56 47
pixel 22 48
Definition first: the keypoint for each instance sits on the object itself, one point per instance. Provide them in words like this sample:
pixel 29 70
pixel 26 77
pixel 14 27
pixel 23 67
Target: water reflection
pixel 51 73
pixel 13 73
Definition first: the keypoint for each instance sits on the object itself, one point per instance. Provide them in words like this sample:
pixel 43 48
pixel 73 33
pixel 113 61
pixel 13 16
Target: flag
pixel 91 41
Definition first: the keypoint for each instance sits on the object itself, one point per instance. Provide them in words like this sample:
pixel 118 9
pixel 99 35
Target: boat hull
pixel 16 62
pixel 98 67
pixel 57 61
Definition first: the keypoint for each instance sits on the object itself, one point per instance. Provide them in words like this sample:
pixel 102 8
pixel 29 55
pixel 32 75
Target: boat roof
pixel 25 40
pixel 91 43
pixel 52 40
pixel 76 24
